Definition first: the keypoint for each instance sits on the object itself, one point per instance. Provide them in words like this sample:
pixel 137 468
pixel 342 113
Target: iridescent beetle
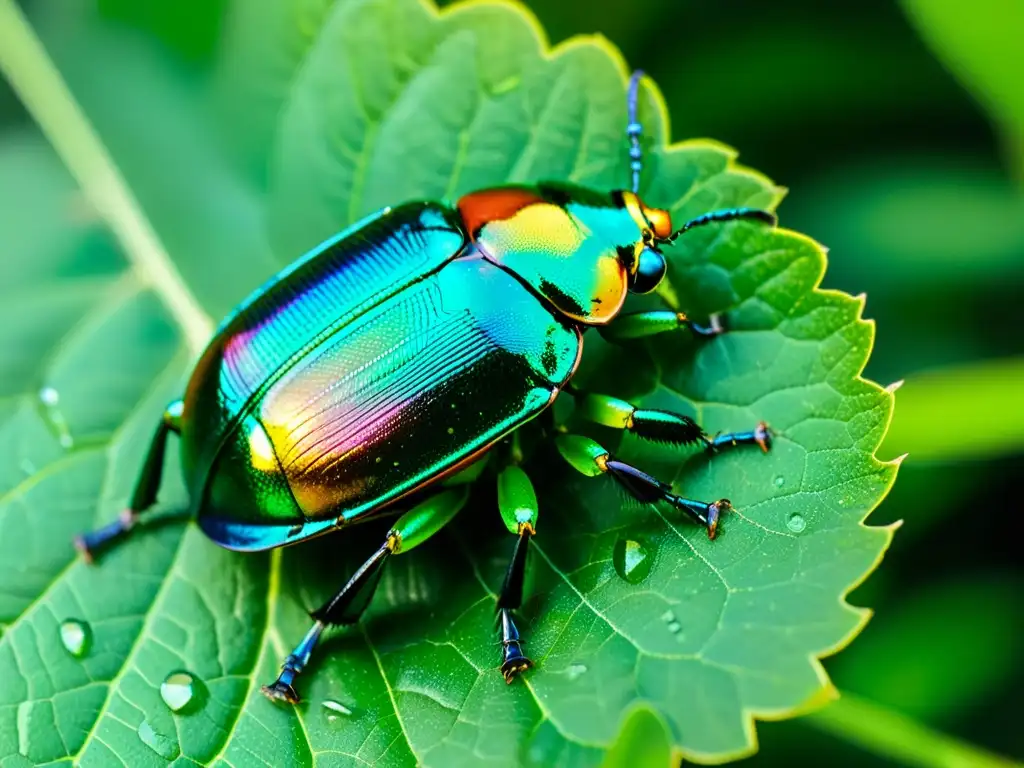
pixel 397 353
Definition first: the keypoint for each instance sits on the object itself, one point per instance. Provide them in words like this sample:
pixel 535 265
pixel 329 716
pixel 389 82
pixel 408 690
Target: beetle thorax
pixel 572 246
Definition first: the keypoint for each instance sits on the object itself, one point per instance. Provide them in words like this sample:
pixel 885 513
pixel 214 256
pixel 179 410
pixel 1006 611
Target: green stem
pixel 37 82
pixel 896 736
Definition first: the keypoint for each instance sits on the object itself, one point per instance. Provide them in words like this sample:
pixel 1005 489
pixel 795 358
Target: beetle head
pixel 645 262
pixel 581 250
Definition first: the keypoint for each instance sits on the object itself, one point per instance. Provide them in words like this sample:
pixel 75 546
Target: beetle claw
pixel 83 549
pixel 279 691
pixel 715 512
pixel 515 666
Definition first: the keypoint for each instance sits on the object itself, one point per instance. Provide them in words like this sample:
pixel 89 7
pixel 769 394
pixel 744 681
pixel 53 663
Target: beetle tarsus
pixel 514 661
pixel 761 436
pixel 716 326
pixel 280 690
pixel 88 543
pixel 83 549
pixel 714 513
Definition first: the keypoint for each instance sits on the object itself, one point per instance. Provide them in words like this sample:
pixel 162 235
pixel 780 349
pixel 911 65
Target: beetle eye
pixel 650 271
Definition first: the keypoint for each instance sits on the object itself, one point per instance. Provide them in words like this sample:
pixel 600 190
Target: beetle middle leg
pixel 517 503
pixel 665 426
pixel 146 488
pixel 412 529
pixel 592 459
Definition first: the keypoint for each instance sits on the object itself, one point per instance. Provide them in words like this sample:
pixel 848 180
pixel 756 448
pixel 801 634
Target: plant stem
pixel 46 96
pixel 896 736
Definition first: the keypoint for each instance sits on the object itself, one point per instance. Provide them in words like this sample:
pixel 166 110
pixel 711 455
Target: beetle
pixel 391 358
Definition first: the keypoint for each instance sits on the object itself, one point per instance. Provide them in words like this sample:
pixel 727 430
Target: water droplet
pixel 295 530
pixel 575 670
pixel 76 636
pixel 796 522
pixel 163 746
pixel 780 481
pixel 179 690
pixel 632 560
pixel 672 623
pixel 50 398
pixel 335 709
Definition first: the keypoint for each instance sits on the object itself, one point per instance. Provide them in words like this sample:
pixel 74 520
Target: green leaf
pixel 978 42
pixel 644 742
pixel 935 423
pixel 387 100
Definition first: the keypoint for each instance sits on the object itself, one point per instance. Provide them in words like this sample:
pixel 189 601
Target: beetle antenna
pixel 728 214
pixel 634 129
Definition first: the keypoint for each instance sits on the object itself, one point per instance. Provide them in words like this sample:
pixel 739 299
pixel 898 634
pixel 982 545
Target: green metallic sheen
pixel 468 474
pixel 517 500
pixel 643 324
pixel 582 453
pixel 427 518
pixel 608 411
pixel 355 379
pixel 572 260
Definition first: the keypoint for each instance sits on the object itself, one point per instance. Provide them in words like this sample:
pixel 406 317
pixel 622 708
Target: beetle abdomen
pixel 415 386
pixel 302 305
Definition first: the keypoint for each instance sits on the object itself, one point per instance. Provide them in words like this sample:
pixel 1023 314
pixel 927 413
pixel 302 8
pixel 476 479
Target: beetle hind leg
pixel 592 459
pixel 413 528
pixel 146 488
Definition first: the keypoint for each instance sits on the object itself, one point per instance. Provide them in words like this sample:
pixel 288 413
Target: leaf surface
pixel 381 101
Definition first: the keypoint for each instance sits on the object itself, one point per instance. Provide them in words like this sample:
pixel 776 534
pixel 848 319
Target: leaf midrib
pixel 46 96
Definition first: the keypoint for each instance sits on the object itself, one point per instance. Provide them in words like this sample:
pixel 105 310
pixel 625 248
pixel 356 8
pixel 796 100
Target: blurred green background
pixel 899 130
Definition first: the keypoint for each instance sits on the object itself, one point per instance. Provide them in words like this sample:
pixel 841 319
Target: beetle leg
pixel 146 488
pixel 592 459
pixel 665 426
pixel 517 503
pixel 412 529
pixel 640 325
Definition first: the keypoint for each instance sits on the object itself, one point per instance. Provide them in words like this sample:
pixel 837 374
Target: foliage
pixel 375 101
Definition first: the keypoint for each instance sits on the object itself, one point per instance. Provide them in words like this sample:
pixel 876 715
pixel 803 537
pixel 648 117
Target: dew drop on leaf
pixel 632 560
pixel 179 690
pixel 575 670
pixel 50 399
pixel 671 622
pixel 76 637
pixel 335 709
pixel 780 481
pixel 796 522
pixel 162 745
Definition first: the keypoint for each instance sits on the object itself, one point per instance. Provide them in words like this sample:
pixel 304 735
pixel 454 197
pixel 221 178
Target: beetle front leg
pixel 640 325
pixel 412 529
pixel 665 426
pixel 592 459
pixel 517 503
pixel 146 488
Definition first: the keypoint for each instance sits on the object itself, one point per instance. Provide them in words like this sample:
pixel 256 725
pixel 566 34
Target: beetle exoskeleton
pixel 401 350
